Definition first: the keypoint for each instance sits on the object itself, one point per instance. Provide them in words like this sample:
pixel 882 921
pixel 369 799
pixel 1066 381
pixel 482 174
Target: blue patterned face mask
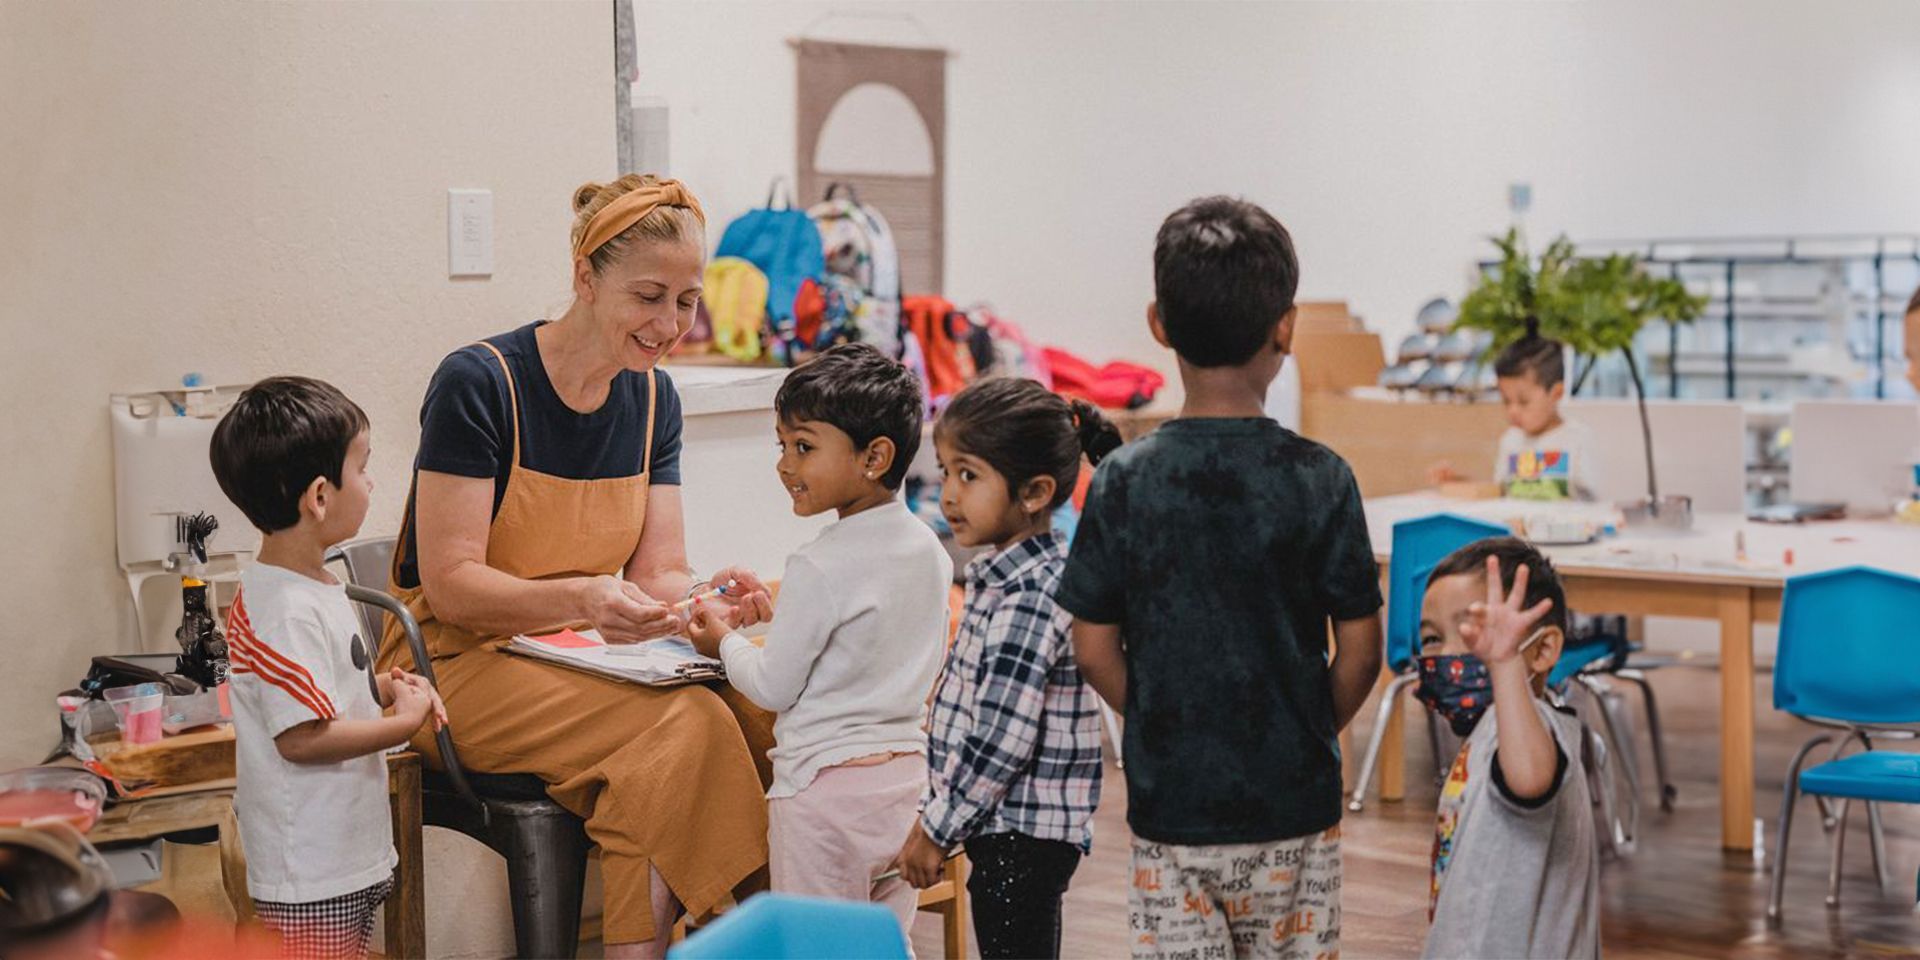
pixel 1457 686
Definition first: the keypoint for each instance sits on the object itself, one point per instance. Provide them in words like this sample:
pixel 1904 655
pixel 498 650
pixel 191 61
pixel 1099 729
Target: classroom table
pixel 1690 574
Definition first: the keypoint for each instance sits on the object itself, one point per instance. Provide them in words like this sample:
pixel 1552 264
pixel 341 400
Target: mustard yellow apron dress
pixel 672 778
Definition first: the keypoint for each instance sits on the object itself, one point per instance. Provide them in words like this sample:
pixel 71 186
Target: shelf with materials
pixel 1788 318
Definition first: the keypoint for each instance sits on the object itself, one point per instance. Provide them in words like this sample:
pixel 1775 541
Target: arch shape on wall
pixel 874 129
pixel 871 81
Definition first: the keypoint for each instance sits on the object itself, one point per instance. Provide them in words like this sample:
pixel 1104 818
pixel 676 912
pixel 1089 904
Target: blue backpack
pixel 784 243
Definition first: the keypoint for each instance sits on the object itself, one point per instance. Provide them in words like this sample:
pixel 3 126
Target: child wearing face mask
pixel 1516 867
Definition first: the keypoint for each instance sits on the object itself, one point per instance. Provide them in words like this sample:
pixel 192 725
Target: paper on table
pixel 667 662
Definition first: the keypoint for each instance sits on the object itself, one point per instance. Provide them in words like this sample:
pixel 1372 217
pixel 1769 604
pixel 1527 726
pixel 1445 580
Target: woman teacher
pixel 546 491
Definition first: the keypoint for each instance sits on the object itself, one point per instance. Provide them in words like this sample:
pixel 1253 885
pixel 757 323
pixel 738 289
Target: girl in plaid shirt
pixel 1013 749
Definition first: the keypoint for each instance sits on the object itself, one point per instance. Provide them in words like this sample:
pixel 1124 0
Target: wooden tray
pixel 188 758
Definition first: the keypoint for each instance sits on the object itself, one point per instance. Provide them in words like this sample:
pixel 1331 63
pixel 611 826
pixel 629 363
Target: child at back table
pixel 1209 561
pixel 1543 455
pixel 857 636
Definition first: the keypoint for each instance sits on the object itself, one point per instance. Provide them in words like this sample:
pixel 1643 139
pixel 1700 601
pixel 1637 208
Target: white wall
pixel 244 189
pixel 1383 134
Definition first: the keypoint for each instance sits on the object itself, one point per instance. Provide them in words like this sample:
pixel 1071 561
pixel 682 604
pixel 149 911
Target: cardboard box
pixel 1324 316
pixel 1393 444
pixel 1338 361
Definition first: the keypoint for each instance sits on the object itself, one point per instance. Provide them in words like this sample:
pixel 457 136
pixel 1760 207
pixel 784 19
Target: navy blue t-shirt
pixel 466 430
pixel 1221 548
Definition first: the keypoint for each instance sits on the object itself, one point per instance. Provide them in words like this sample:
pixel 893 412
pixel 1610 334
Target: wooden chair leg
pixel 406 911
pixel 233 865
pixel 955 910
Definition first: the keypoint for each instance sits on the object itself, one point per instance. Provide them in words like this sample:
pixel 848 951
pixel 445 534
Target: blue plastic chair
pixel 1846 661
pixel 776 926
pixel 1418 546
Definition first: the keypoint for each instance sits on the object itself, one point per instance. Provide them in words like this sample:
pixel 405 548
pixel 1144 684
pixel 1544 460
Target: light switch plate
pixel 469 233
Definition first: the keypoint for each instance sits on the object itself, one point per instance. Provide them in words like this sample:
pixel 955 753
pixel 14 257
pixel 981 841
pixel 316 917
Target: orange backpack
pixel 941 331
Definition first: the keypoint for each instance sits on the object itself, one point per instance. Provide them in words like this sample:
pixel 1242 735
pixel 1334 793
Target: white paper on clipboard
pixel 667 662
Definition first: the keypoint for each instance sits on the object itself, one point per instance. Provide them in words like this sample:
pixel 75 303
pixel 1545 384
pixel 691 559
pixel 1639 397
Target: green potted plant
pixel 1596 306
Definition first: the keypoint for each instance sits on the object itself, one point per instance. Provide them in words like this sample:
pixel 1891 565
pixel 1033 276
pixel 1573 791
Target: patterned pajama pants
pixel 1264 900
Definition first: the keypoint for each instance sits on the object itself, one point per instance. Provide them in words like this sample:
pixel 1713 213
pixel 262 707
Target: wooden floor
pixel 1677 896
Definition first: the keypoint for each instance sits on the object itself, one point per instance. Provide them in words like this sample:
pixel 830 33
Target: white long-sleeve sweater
pixel 854 647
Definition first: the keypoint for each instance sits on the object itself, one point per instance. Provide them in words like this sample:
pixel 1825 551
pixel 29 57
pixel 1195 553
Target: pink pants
pixel 832 838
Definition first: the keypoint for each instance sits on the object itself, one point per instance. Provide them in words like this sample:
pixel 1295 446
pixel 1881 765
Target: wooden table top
pixel 1705 554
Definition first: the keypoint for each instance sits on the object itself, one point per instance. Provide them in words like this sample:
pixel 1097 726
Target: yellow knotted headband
pixel 629 208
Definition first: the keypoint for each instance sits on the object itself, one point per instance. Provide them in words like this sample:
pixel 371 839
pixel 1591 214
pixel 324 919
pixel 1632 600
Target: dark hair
pixel 865 395
pixel 1025 431
pixel 1542 358
pixel 1543 583
pixel 280 434
pixel 1224 274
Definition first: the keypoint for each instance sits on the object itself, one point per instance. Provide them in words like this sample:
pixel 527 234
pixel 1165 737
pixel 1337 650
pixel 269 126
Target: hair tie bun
pixel 1097 435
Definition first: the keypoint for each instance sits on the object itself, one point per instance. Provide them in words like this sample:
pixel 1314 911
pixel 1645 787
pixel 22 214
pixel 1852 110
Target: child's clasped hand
pixel 708 623
pixel 413 696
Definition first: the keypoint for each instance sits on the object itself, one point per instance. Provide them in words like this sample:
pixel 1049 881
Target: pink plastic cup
pixel 139 709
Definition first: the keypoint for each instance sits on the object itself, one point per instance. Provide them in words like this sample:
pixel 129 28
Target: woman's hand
pixel 623 613
pixel 749 599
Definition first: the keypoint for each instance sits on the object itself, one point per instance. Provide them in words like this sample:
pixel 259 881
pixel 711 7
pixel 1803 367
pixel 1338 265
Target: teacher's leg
pixel 666 912
pixel 663 777
pixel 756 726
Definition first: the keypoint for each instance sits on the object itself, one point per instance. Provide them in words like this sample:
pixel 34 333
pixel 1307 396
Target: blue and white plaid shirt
pixel 1014 742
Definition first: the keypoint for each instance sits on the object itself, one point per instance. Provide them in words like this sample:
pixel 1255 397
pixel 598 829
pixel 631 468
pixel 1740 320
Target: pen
pixel 688 603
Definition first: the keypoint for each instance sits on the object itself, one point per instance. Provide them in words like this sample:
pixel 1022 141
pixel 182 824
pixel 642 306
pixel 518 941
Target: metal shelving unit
pixel 1787 318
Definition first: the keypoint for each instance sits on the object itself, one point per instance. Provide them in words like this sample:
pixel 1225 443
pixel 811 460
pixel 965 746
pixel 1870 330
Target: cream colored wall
pixel 244 189
pixel 1383 134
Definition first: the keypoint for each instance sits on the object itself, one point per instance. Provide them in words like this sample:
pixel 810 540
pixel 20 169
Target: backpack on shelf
pixel 858 245
pixel 736 303
pixel 1009 353
pixel 783 243
pixel 942 332
pixel 1116 386
pixel 822 317
pixel 915 359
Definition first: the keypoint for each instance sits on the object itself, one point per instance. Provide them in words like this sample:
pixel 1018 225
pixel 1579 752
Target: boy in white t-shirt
pixel 857 637
pixel 312 791
pixel 1543 456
